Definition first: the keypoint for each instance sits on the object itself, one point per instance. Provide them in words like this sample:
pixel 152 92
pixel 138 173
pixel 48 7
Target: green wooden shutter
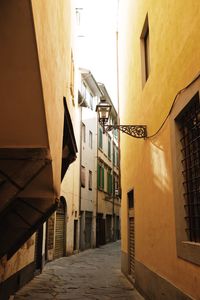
pixel 111 185
pixel 109 147
pixel 117 159
pixel 114 155
pixel 98 176
pixel 102 183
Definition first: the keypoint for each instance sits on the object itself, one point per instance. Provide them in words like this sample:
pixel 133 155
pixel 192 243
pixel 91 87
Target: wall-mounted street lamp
pixel 103 110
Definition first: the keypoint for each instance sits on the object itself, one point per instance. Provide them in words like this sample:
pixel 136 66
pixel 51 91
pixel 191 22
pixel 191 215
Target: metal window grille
pixel 189 125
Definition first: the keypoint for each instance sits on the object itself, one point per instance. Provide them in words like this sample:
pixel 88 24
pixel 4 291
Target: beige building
pixel 108 200
pixel 37 141
pixel 89 96
pixel 159 87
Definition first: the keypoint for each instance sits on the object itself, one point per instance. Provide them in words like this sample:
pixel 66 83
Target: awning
pixel 69 142
pixel 26 195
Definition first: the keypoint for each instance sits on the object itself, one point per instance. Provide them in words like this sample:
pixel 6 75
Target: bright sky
pixel 98 46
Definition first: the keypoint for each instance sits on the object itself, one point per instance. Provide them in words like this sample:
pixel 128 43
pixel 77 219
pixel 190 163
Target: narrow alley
pixel 92 274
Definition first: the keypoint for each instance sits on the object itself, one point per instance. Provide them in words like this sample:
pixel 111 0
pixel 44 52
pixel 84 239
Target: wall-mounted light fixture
pixel 103 110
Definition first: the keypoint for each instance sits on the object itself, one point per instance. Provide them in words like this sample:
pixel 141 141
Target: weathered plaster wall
pixel 146 164
pixel 22 258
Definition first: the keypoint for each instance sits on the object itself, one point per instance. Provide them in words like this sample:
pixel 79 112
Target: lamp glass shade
pixel 103 109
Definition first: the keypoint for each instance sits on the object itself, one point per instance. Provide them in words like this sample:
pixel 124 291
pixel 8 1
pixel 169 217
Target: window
pixel 189 126
pixel 100 177
pixel 185 126
pixel 83 133
pixel 115 132
pixel 109 182
pixel 145 51
pixel 117 158
pixel 109 147
pixel 116 185
pixel 82 176
pixel 90 181
pixel 90 139
pixel 130 196
pixel 100 143
pixel 114 150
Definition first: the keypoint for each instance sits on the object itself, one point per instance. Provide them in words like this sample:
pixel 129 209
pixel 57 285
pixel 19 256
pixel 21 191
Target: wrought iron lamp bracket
pixel 136 131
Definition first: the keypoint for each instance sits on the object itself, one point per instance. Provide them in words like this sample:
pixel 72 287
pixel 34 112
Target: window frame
pixel 100 138
pixel 100 176
pixel 90 180
pixel 109 182
pixel 186 249
pixel 83 176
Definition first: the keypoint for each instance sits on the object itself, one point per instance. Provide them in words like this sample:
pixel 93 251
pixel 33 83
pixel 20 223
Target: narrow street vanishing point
pixel 92 274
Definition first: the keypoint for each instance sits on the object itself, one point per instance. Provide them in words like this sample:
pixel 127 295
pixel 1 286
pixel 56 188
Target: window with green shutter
pixel 99 176
pixel 114 149
pixel 107 188
pixel 117 158
pixel 109 147
pixel 102 178
pixel 109 183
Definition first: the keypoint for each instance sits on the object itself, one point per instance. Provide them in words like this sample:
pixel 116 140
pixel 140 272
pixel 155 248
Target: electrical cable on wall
pixel 173 103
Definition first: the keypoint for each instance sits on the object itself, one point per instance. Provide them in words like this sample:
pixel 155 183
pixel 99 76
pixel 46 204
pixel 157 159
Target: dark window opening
pixel 82 176
pixel 189 126
pixel 130 199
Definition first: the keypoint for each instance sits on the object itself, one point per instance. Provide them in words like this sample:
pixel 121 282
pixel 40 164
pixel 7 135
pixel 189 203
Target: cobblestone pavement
pixel 92 274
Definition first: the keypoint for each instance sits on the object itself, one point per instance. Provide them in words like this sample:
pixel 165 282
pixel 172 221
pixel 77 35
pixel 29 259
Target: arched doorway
pixel 60 234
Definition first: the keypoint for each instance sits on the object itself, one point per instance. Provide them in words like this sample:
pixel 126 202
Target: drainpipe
pixel 118 117
pixel 113 193
pixel 97 194
pixel 79 212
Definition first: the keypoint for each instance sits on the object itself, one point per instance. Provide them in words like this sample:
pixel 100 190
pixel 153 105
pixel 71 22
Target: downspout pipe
pixel 79 211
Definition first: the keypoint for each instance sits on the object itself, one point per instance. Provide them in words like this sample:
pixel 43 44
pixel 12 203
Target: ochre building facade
pixel 158 58
pixel 37 139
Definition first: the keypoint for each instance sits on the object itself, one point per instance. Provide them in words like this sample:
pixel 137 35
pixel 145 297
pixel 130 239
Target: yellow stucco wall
pixel 22 121
pixel 146 164
pixel 41 31
pixel 52 26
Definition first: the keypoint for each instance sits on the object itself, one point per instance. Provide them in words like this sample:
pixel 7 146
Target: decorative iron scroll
pixel 137 131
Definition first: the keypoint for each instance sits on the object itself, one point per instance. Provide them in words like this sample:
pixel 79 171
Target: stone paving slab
pixel 93 274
